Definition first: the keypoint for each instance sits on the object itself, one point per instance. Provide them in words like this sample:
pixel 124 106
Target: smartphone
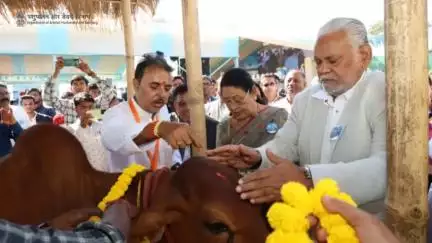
pixel 97 114
pixel 71 62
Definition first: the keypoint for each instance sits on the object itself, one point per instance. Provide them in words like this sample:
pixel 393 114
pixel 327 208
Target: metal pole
pixel 221 66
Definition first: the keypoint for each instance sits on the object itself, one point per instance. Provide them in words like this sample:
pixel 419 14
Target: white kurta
pixel 90 139
pixel 21 116
pixel 118 131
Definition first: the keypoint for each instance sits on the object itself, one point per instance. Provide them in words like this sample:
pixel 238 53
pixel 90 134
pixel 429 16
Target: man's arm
pixel 87 232
pixel 125 138
pixel 51 99
pixel 107 92
pixel 284 144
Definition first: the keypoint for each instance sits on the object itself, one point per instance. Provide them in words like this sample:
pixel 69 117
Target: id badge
pixel 336 132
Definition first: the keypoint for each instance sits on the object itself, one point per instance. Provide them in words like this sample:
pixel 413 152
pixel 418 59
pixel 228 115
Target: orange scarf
pixel 153 157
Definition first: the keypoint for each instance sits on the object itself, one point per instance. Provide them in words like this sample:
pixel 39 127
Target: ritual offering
pixel 289 218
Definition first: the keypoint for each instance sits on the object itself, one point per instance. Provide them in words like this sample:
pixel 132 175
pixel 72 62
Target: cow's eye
pixel 217 228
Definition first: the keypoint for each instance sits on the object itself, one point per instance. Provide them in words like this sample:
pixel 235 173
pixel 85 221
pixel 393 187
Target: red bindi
pixel 221 176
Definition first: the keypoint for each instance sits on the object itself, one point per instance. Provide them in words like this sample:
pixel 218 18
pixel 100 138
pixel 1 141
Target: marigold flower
pixel 286 218
pixel 296 195
pixel 330 220
pixel 279 236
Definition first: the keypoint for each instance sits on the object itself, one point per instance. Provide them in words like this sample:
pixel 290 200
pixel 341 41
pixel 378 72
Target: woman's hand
pixel 236 156
pixel 264 185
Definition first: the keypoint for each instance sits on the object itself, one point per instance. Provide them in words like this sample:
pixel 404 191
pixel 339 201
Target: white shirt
pixel 216 110
pixel 119 128
pixel 32 120
pixel 282 103
pixel 21 116
pixel 335 109
pixel 90 139
pixel 177 158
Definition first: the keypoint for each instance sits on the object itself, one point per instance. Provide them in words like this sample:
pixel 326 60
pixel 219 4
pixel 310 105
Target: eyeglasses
pixel 236 100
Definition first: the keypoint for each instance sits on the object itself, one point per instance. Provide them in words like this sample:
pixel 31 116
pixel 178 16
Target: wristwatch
pixel 307 172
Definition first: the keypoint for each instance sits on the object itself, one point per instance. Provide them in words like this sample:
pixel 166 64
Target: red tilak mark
pixel 221 176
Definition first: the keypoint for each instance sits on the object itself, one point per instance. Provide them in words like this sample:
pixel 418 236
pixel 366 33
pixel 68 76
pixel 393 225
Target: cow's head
pixel 198 203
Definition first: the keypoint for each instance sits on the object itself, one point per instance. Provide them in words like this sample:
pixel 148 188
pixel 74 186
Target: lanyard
pixel 153 157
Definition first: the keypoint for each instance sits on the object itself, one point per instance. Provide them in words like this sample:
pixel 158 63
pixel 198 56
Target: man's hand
pixel 58 66
pixel 7 117
pixel 119 215
pixel 236 156
pixel 178 135
pixel 83 66
pixel 263 186
pixel 71 219
pixel 86 120
pixel 369 229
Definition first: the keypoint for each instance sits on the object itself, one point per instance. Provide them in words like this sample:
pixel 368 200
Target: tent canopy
pixel 76 8
pixel 67 40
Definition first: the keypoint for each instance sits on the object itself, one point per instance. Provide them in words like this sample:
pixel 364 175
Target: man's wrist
pixel 307 176
pixel 91 74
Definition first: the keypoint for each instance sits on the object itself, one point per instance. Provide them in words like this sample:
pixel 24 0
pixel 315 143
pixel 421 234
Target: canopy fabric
pixel 67 40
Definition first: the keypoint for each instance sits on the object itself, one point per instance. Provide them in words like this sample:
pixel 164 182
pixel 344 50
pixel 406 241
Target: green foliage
pixel 377 28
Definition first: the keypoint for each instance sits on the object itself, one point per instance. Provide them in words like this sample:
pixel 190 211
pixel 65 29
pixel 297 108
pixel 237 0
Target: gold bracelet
pixel 156 129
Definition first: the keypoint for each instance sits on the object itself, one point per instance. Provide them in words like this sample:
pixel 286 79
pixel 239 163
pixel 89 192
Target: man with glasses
pixel 208 85
pixel 139 130
pixel 270 85
pixel 78 84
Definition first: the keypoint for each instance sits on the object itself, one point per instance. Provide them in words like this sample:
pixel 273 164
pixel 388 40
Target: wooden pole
pixel 194 72
pixel 129 45
pixel 407 121
pixel 310 69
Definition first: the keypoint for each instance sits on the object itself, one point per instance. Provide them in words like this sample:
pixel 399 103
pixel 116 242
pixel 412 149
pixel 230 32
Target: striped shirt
pixel 87 232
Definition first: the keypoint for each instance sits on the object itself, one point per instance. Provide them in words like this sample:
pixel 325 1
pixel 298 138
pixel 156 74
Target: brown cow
pixel 48 174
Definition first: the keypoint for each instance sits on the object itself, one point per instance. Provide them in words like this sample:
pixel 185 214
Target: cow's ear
pixel 167 206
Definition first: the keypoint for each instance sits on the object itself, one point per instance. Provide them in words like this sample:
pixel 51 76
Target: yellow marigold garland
pixel 289 218
pixel 119 189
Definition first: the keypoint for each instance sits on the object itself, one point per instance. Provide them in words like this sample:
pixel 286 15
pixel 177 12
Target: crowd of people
pixel 305 136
